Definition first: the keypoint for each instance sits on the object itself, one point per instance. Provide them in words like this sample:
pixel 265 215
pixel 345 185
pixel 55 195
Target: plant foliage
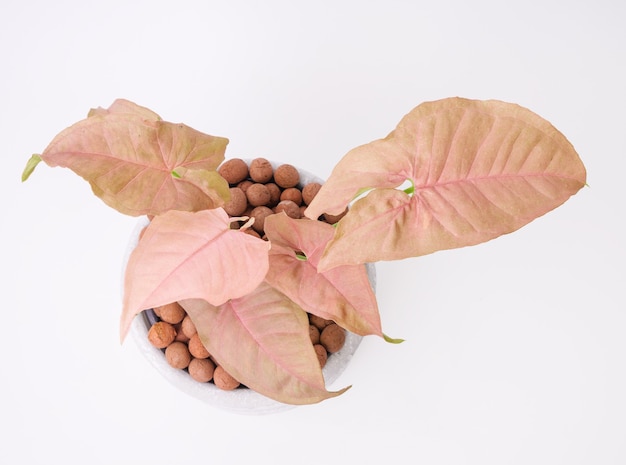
pixel 476 169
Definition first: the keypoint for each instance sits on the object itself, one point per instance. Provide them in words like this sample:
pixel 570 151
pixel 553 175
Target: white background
pixel 515 350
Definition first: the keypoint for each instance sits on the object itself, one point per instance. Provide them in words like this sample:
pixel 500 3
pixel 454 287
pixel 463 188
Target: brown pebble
pixel 309 191
pixel 180 335
pixel 321 353
pixel 293 194
pixel 261 170
pixel 248 212
pixel 171 313
pixel 177 355
pixel 234 170
pixel 259 214
pixel 258 194
pixel 333 337
pixel 161 334
pixel 290 208
pixel 252 232
pixel 286 176
pixel 332 219
pixel 243 185
pixel 201 369
pixel 314 333
pixel 274 194
pixel 224 380
pixel 319 322
pixel 187 326
pixel 196 347
pixel 238 202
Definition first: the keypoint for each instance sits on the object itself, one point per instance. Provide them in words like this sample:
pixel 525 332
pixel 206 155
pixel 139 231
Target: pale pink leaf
pixel 262 340
pixel 343 294
pixel 184 255
pixel 123 106
pixel 480 169
pixel 129 157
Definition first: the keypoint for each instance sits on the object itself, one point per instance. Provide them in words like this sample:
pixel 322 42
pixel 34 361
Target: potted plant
pixel 453 173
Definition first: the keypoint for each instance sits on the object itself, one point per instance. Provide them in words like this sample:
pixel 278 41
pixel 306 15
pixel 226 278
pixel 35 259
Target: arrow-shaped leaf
pixel 262 340
pixel 128 154
pixel 479 169
pixel 184 255
pixel 343 294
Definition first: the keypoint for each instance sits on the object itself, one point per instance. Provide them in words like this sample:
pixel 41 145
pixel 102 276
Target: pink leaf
pixel 262 340
pixel 343 294
pixel 123 106
pixel 479 170
pixel 130 158
pixel 184 255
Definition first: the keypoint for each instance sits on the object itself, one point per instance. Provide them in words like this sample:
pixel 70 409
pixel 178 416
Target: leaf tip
pixel 32 163
pixel 340 391
pixel 392 340
pixel 124 328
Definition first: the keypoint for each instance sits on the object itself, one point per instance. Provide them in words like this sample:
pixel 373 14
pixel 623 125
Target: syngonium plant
pixel 475 170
